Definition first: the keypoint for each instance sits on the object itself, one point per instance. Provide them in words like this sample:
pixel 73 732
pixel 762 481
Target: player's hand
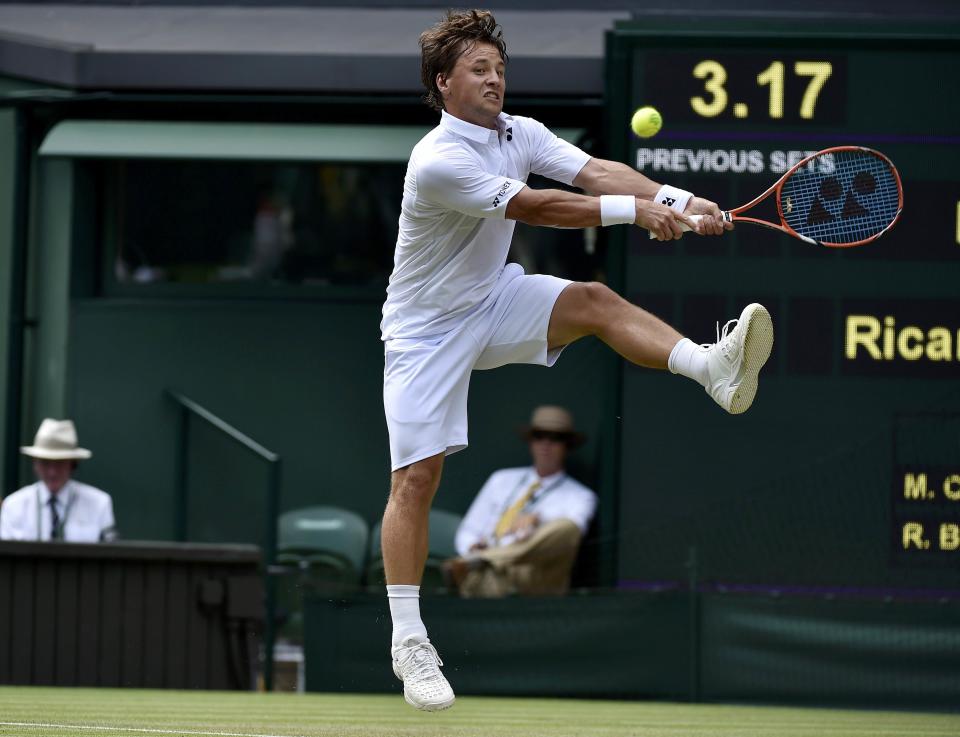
pixel 660 220
pixel 712 222
pixel 478 546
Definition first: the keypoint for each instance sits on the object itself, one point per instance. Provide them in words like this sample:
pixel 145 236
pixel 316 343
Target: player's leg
pixel 727 369
pixel 404 533
pixel 589 308
pixel 425 402
pixel 404 541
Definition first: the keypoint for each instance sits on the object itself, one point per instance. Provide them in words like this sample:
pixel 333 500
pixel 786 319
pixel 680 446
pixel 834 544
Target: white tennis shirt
pixel 559 497
pixel 453 238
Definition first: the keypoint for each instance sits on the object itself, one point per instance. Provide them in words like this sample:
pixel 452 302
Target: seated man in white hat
pixel 522 532
pixel 56 507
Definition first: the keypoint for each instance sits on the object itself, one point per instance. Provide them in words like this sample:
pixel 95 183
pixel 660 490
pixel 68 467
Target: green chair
pixel 443 531
pixel 320 550
pixel 330 541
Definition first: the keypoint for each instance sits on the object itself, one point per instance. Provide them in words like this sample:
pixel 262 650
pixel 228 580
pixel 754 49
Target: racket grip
pixel 697 218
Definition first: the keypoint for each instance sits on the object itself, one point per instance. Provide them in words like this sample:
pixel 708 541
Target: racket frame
pixel 776 188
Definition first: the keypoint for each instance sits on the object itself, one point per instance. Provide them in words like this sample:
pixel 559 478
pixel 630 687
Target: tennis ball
pixel 646 121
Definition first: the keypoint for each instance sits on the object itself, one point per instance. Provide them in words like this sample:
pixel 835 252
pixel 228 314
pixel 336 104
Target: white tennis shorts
pixel 425 382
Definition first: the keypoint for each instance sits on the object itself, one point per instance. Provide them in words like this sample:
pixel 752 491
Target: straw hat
pixel 56 440
pixel 553 419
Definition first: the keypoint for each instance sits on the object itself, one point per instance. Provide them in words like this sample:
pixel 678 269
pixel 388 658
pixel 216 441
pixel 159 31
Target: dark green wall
pixel 798 491
pixel 669 644
pixel 302 378
pixel 7 185
pixel 604 645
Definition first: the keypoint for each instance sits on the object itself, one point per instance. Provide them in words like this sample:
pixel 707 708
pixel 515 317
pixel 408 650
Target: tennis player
pixel 455 306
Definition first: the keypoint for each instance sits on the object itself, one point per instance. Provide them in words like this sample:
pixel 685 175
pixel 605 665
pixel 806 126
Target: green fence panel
pixel 611 645
pixel 829 651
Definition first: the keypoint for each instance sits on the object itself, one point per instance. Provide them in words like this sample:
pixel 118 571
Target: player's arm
pixel 613 177
pixel 557 208
pixel 556 159
pixel 454 180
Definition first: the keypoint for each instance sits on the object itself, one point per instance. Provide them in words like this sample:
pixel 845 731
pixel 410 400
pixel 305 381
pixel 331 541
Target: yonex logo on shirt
pixel 503 190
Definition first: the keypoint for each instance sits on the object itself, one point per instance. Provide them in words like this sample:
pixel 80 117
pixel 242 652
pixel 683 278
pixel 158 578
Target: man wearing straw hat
pixel 522 532
pixel 56 507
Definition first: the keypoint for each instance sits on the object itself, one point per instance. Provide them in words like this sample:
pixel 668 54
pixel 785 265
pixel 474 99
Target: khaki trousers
pixel 538 566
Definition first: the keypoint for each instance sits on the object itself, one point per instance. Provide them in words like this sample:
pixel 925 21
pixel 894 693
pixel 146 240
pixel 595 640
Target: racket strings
pixel 841 197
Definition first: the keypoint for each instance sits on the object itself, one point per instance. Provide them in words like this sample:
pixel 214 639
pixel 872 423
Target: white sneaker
pixel 416 663
pixel 735 360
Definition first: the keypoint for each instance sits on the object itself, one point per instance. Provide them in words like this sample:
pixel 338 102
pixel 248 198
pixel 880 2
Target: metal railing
pixel 188 407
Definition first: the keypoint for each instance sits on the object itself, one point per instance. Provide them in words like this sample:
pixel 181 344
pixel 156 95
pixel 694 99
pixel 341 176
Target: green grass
pixel 49 712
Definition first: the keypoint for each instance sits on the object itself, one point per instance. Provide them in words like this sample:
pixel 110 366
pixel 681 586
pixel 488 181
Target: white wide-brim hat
pixel 56 440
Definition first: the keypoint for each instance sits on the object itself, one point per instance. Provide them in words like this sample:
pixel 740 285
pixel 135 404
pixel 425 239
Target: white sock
pixel 690 360
pixel 405 613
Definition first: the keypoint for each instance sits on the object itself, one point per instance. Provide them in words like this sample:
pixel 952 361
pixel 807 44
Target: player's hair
pixel 441 45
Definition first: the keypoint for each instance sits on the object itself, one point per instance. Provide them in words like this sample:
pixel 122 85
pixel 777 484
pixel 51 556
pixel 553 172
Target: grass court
pixel 65 712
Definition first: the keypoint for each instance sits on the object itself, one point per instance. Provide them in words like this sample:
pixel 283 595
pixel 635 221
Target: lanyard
pixel 66 511
pixel 525 482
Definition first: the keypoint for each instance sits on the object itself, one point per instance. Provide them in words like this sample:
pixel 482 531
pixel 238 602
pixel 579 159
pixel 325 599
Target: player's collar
pixel 504 124
pixel 474 132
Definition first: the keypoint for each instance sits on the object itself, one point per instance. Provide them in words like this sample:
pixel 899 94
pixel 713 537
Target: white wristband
pixel 618 209
pixel 674 198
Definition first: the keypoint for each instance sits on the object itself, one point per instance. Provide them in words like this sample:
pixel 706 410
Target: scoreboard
pixel 846 471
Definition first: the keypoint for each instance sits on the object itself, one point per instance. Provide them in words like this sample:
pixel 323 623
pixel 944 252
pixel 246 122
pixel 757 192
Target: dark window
pixel 208 223
pixel 202 222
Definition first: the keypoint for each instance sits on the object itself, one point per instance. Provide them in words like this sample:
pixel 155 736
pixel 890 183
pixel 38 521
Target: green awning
pixel 133 139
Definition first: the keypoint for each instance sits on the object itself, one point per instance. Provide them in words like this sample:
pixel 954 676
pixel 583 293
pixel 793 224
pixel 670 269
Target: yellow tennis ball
pixel 646 121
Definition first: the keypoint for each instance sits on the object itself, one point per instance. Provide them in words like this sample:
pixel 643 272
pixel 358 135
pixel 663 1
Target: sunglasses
pixel 555 437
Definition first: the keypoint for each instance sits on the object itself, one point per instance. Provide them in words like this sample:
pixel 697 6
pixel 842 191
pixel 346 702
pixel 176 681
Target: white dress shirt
pixel 85 513
pixel 559 497
pixel 453 238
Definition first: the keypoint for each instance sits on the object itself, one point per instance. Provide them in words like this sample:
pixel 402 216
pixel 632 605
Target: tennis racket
pixel 840 197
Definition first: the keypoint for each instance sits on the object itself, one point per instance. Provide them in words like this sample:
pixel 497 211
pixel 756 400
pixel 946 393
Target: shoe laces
pixel 420 660
pixel 725 340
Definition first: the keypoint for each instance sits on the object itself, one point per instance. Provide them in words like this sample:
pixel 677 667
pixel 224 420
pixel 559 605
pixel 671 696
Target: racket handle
pixel 727 218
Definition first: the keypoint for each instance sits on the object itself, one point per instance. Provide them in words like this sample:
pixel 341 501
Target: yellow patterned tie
pixel 510 516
